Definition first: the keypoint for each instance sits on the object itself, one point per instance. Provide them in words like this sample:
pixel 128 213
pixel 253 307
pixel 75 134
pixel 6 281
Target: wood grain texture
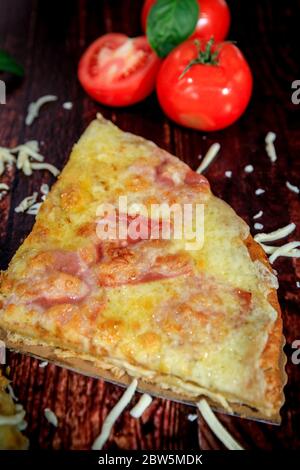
pixel 48 37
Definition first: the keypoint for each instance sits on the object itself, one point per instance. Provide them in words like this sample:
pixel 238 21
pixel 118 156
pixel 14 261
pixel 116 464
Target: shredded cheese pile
pixel 270 148
pixel 113 415
pixel 29 159
pixel 288 250
pixel 217 428
pixel 209 157
pixel 34 108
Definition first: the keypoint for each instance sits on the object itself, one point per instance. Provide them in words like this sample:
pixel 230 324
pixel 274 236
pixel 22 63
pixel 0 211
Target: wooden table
pixel 48 37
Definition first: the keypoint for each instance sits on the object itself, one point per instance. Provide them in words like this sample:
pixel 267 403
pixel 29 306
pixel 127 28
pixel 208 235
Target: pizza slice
pixel 107 282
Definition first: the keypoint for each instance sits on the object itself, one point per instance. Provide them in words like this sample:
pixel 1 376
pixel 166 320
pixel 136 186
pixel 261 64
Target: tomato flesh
pixel 207 97
pixel 118 71
pixel 213 21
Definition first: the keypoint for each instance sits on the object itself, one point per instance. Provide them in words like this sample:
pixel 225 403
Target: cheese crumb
pixel 26 203
pixel 258 215
pixel 51 417
pixel 292 187
pixel 141 406
pixel 298 284
pixel 258 226
pixel 192 417
pixel 270 148
pixel 249 169
pixel 228 174
pixel 43 364
pixel 209 157
pixel 259 191
pixel 35 106
pixel 67 105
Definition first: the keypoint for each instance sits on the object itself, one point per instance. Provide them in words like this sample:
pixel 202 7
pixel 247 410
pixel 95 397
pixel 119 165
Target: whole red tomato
pixel 204 87
pixel 214 19
pixel 117 70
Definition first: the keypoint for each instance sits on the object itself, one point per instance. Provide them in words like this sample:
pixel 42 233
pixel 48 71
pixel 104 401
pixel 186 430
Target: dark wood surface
pixel 48 37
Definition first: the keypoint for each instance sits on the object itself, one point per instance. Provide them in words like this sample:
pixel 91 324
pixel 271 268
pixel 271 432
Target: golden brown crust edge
pixel 273 359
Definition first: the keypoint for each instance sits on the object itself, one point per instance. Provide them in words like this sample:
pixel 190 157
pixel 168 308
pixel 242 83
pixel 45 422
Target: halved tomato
pixel 117 70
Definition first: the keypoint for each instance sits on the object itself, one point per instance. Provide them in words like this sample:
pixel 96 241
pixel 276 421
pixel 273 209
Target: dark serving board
pixel 48 37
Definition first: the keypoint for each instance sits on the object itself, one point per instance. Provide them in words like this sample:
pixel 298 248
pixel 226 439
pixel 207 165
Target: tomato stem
pixel 204 56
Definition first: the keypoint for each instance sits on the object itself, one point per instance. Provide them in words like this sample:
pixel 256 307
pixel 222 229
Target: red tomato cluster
pixel 203 83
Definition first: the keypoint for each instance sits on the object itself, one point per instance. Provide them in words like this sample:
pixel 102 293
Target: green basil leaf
pixel 8 64
pixel 170 22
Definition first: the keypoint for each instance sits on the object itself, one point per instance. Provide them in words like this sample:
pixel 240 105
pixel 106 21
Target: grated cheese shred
pixel 217 428
pixel 113 415
pixel 276 235
pixel 141 406
pixel 209 157
pixel 35 106
pixel 288 250
pixel 27 203
pixel 270 148
pixel 51 417
pixel 292 187
pixel 285 250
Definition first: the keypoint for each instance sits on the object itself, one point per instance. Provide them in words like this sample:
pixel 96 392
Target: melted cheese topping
pixel 197 319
